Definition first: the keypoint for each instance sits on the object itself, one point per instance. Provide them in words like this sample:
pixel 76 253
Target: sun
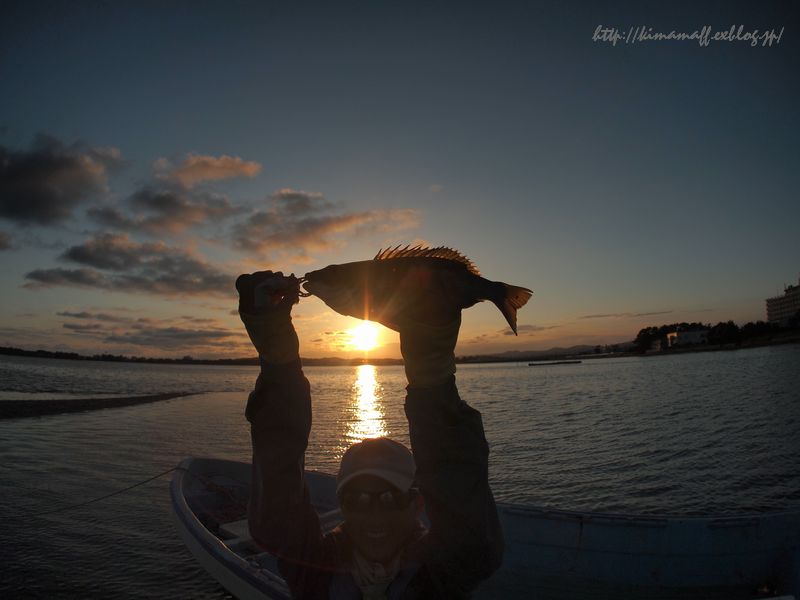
pixel 364 336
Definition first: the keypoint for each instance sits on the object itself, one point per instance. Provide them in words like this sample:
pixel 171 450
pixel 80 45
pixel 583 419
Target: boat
pixel 559 554
pixel 555 362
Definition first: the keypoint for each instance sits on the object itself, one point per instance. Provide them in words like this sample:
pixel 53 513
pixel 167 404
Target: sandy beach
pixel 13 409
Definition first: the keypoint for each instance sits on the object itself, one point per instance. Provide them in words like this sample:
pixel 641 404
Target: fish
pixel 397 276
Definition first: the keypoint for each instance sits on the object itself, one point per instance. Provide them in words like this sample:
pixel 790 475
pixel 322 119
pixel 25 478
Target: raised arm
pixel 281 517
pixel 465 543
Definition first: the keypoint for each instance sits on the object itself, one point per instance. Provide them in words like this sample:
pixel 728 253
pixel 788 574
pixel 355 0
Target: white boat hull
pixel 549 554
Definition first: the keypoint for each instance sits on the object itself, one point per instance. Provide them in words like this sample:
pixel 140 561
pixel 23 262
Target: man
pixel 381 550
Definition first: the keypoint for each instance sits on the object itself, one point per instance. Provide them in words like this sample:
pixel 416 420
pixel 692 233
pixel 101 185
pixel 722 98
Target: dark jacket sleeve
pixel 281 517
pixel 465 542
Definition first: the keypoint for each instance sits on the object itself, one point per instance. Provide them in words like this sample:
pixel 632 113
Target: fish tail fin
pixel 510 299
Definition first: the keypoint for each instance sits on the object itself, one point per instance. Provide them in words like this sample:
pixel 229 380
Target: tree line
pixel 721 334
pixel 188 360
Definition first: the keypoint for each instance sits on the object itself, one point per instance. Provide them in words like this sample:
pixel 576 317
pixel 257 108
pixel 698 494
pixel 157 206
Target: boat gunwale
pixel 261 579
pixel 579 524
pixel 517 509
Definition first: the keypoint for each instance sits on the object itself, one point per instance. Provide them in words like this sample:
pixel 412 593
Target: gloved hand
pixel 428 317
pixel 265 306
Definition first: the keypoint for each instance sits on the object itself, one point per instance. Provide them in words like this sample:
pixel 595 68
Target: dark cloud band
pixel 44 184
pixel 115 262
pixel 299 222
pixel 165 209
pixel 626 315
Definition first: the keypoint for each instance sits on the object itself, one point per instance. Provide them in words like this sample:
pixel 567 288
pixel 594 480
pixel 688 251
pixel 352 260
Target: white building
pixel 687 338
pixel 782 308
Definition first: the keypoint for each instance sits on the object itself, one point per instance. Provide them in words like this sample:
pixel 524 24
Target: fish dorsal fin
pixel 420 251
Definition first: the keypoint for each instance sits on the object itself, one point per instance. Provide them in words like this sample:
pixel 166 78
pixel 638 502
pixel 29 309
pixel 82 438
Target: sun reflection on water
pixel 369 420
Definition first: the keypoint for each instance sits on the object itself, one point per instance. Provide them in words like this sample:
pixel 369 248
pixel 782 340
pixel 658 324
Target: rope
pixel 93 500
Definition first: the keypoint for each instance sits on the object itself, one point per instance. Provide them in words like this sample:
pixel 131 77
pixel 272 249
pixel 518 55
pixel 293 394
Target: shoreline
pixel 509 357
pixel 18 409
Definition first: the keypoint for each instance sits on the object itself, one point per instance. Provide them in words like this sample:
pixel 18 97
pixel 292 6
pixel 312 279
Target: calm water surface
pixel 705 433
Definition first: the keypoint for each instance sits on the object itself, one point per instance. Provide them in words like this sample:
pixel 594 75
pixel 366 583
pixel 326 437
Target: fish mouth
pixel 311 287
pixel 319 287
pixel 303 282
pixel 314 282
pixel 322 290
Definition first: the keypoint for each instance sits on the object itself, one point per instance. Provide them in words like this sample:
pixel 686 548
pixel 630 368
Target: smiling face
pixel 378 532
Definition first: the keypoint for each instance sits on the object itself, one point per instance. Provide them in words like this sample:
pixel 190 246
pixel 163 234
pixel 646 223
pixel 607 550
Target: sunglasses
pixel 388 500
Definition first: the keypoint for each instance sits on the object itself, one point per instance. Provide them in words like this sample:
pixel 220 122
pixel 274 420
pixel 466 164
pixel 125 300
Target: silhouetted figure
pixel 382 549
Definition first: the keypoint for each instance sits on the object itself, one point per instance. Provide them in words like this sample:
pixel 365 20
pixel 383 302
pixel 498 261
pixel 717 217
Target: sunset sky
pixel 150 152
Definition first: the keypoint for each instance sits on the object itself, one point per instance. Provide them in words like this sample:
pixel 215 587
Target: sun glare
pixel 369 420
pixel 364 336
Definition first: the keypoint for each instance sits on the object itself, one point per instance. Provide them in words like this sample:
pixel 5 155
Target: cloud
pixel 300 222
pixel 626 315
pixel 196 168
pixel 160 334
pixel 5 241
pixel 523 331
pixel 29 337
pixel 173 210
pixel 528 329
pixel 65 277
pixel 44 184
pixel 435 188
pixel 484 337
pixel 198 319
pixel 112 251
pixel 174 337
pixel 111 217
pixel 335 339
pixel 154 268
pixel 96 316
pixel 165 209
pixel 532 328
pixel 83 328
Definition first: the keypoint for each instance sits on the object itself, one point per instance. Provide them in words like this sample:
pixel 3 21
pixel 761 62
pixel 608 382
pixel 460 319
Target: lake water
pixel 712 433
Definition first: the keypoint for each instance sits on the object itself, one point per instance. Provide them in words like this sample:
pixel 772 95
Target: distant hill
pixel 508 356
